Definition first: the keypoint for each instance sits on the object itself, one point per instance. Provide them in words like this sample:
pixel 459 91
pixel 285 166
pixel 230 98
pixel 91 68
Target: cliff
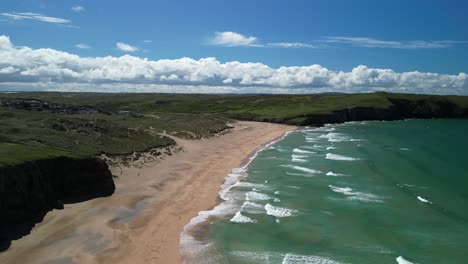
pixel 400 109
pixel 29 190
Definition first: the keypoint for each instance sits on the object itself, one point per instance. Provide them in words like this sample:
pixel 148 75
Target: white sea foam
pixel 252 208
pixel 312 139
pixel 277 257
pixel 279 211
pixel 401 260
pixel 424 200
pixel 325 128
pixel 200 251
pixel 256 196
pixel 256 257
pixel 332 156
pixel 276 200
pixel 307 147
pixel 277 192
pixel 298 158
pixel 299 174
pixel 303 169
pixel 298 150
pixel 335 137
pixel 239 218
pixel 330 148
pixel 359 196
pixel 291 258
pixel 247 184
pixel 405 149
pixel 331 173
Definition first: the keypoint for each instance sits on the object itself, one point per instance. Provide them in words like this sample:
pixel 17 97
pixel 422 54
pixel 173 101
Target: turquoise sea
pixel 360 192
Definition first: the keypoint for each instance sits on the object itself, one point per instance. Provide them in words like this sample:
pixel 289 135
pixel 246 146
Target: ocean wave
pixel 257 257
pixel 252 208
pixel 335 137
pixel 299 174
pixel 358 196
pixel 298 150
pixel 196 250
pixel 256 196
pixel 247 184
pixel 279 211
pixel 303 169
pixel 239 218
pixel 314 147
pixel 401 260
pixel 331 173
pixel 291 258
pixel 424 200
pixel 332 156
pixel 312 139
pixel 330 148
pixel 298 158
pixel 277 257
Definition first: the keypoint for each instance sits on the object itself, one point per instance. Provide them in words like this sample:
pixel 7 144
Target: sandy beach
pixel 142 221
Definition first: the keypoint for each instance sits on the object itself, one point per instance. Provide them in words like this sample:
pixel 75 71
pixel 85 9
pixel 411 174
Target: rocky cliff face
pixel 400 109
pixel 33 188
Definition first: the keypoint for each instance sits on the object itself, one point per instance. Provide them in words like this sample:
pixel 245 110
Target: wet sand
pixel 142 221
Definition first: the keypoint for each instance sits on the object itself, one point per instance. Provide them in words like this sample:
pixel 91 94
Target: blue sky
pixel 339 35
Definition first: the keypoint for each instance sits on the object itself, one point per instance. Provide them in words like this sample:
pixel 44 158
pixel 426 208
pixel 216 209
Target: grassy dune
pixel 31 132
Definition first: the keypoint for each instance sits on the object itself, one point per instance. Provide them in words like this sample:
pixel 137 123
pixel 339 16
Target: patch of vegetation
pixel 86 124
pixel 12 154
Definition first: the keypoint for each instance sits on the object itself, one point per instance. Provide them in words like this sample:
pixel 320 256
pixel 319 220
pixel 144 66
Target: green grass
pixel 183 115
pixel 12 154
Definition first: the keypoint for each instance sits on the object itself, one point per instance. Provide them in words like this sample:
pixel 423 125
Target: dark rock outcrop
pixel 400 109
pixel 29 190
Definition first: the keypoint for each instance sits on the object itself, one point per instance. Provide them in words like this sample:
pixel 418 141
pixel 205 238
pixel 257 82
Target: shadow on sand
pixel 14 231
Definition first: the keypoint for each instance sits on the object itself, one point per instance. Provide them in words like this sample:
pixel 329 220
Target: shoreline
pixel 142 222
pixel 198 227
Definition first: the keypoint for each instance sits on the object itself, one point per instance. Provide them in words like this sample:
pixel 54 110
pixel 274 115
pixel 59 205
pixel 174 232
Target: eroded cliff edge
pixel 31 189
pixel 400 109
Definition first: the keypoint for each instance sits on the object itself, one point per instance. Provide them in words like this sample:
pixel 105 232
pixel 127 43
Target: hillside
pixel 86 124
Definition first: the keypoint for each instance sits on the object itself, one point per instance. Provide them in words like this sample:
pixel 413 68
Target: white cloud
pixel 233 39
pixel 376 43
pixel 78 9
pixel 82 46
pixel 35 16
pixel 48 69
pixel 125 47
pixel 292 45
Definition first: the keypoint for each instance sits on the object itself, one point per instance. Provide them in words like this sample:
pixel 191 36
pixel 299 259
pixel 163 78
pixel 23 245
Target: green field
pixel 31 132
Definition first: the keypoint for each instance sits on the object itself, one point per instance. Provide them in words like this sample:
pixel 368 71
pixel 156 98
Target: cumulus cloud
pixel 47 69
pixel 376 43
pixel 233 39
pixel 82 46
pixel 35 16
pixel 125 47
